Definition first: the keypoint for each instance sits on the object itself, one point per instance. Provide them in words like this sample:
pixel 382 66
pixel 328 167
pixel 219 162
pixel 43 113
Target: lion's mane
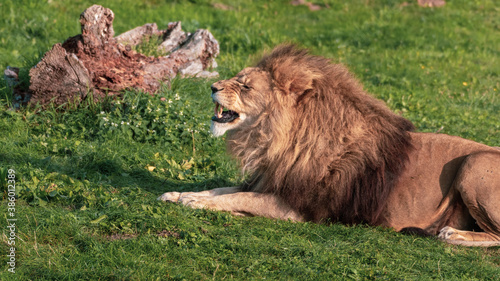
pixel 326 147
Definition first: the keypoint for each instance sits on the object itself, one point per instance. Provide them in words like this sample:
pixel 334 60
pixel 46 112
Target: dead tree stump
pixel 95 61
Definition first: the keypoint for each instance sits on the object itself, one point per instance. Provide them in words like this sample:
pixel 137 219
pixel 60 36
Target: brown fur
pixel 327 151
pixel 318 148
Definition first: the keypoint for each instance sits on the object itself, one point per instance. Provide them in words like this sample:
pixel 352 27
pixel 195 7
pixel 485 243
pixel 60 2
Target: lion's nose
pixel 214 89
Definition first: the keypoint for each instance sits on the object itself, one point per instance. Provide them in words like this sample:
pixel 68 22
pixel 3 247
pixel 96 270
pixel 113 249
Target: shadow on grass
pixel 104 172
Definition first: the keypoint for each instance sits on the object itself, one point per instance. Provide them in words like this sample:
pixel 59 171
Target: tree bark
pixel 97 62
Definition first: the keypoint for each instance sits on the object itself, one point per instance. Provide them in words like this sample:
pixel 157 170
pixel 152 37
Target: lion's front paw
pixel 197 202
pixel 450 233
pixel 170 197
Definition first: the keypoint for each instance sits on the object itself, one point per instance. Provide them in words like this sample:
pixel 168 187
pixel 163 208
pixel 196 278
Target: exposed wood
pixel 96 61
pixel 61 74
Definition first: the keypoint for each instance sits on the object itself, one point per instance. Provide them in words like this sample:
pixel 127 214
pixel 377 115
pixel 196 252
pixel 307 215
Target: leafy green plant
pixel 149 47
pixel 162 118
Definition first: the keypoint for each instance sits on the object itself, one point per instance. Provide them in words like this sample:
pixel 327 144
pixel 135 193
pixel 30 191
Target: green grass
pixel 87 178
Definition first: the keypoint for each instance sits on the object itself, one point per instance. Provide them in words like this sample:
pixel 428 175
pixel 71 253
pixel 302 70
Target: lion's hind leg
pixel 468 238
pixel 478 183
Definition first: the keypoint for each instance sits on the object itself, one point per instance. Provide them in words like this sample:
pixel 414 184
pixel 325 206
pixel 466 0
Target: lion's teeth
pixel 219 114
pixel 218 110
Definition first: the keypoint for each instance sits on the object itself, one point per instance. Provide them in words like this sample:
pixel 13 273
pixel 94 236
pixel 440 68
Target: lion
pixel 316 147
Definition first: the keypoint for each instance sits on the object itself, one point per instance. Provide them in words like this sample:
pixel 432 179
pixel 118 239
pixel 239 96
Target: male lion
pixel 318 148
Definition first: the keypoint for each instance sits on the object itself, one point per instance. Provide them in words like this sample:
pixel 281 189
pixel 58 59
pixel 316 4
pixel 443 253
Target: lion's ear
pixel 300 84
pixel 293 71
pixel 297 84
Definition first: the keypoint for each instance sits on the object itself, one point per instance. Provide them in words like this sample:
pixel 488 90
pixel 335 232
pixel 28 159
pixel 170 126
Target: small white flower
pixel 102 112
pixel 123 123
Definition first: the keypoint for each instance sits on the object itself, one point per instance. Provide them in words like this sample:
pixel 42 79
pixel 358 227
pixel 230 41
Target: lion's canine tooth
pixel 218 110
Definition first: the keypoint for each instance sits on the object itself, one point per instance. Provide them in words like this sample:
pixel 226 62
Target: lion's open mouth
pixel 223 116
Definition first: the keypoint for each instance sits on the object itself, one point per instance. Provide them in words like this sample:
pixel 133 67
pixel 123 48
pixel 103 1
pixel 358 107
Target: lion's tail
pixel 416 231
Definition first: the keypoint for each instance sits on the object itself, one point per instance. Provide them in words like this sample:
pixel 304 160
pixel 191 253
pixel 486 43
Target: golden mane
pixel 334 153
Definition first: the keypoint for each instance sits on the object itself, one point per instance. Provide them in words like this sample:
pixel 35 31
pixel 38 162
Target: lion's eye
pixel 246 87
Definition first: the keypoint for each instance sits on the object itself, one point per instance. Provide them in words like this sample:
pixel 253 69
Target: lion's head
pixel 305 130
pixel 244 96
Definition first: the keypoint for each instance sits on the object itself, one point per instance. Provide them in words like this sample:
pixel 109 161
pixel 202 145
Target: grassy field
pixel 87 178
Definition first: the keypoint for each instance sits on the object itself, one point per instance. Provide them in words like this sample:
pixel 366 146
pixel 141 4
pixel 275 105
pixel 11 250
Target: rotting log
pixel 97 62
